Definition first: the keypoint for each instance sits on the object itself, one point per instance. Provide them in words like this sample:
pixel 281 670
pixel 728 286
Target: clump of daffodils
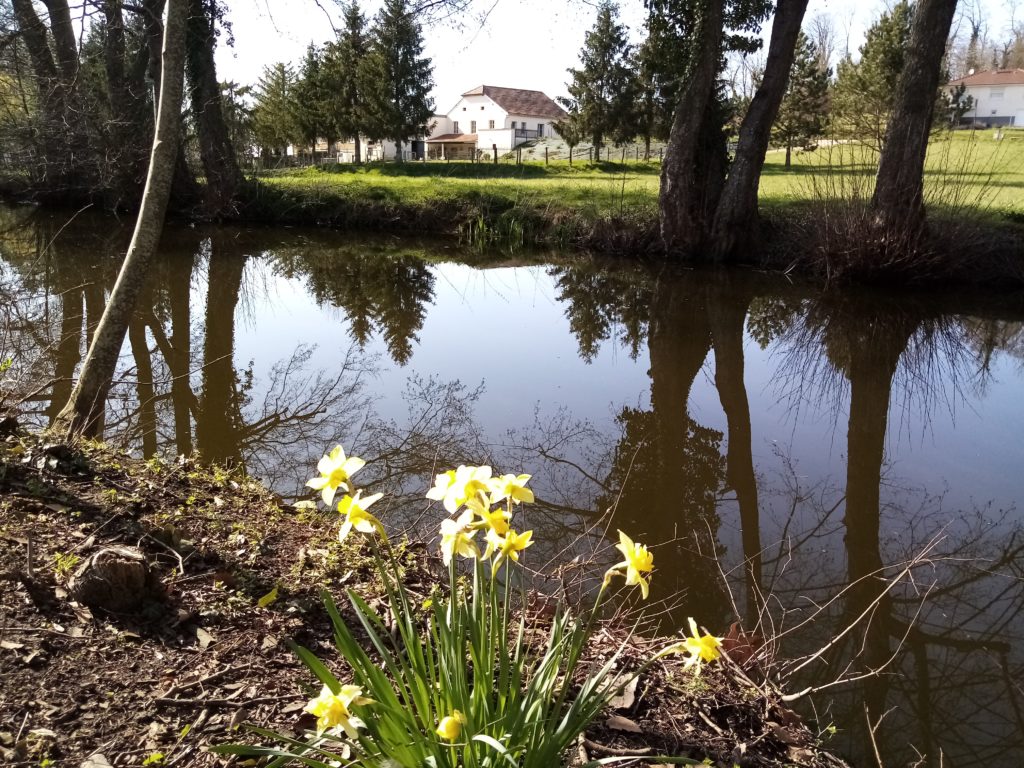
pixel 463 690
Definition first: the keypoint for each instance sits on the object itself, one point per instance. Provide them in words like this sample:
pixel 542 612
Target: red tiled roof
pixel 993 77
pixel 519 101
pixel 454 138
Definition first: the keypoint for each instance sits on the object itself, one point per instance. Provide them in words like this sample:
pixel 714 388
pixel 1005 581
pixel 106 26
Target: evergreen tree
pixel 395 78
pixel 341 72
pixel 602 91
pixel 865 90
pixel 310 100
pixel 804 108
pixel 273 123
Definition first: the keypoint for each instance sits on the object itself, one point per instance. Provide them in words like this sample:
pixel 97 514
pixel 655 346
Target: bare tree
pixel 85 407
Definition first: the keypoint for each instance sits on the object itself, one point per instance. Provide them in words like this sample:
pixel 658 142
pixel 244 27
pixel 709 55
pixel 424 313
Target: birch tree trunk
pixel 85 408
pixel 736 217
pixel 898 201
pixel 682 228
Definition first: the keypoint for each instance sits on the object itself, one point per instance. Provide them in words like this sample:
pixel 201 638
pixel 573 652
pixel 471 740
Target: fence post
pixel 623 161
pixel 661 154
pixel 545 155
pixel 590 154
pixel 494 151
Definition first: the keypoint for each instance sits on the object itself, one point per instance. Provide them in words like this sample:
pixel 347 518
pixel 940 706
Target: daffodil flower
pixel 335 472
pixel 332 709
pixel 454 487
pixel 450 727
pixel 507 547
pixel 457 538
pixel 356 516
pixel 510 487
pixel 638 561
pixel 699 648
pixel 492 519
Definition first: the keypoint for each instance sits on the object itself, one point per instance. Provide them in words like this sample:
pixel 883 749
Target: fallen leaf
pixel 625 699
pixel 268 598
pixel 10 645
pixel 620 723
pixel 96 760
pixel 268 642
pixel 204 638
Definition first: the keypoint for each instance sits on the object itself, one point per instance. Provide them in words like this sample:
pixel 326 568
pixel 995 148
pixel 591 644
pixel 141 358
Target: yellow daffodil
pixel 454 487
pixel 332 709
pixel 457 537
pixel 335 472
pixel 450 727
pixel 698 648
pixel 638 561
pixel 356 516
pixel 510 487
pixel 492 519
pixel 507 547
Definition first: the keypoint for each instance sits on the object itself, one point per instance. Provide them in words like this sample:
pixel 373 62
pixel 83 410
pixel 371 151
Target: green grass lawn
pixel 963 168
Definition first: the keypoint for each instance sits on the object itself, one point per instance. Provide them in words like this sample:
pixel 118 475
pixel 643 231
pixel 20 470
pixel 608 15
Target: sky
pixel 519 43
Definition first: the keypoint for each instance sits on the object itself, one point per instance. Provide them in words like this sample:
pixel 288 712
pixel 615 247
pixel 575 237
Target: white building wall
pixel 439 125
pixel 997 104
pixel 479 109
pixel 503 138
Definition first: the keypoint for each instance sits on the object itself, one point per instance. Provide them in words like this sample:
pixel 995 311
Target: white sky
pixel 522 44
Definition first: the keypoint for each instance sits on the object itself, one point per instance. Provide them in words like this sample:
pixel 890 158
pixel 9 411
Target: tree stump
pixel 117 579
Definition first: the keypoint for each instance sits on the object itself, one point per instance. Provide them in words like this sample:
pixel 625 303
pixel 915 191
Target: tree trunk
pixel 144 384
pixel 63 33
pixel 681 190
pixel 359 150
pixel 223 177
pixel 898 201
pixel 87 403
pixel 736 217
pixel 179 361
pixel 789 152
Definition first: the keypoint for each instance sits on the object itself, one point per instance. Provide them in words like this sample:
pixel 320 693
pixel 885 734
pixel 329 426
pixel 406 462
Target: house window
pixel 481 108
pixel 455 127
pixel 995 93
pixel 490 124
pixel 540 129
pixel 513 123
pixel 472 126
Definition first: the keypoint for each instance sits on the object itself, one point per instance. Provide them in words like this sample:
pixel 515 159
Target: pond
pixel 840 472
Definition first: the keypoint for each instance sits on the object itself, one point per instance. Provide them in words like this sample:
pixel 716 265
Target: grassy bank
pixel 974 186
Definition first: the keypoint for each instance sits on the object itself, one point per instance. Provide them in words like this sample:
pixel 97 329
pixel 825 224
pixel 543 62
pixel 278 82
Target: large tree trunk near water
pixel 735 220
pixel 682 187
pixel 898 201
pixel 87 403
pixel 223 177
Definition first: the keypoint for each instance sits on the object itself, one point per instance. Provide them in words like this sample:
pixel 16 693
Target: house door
pixel 1018 121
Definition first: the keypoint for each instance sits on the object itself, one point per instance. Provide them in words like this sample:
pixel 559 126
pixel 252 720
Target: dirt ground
pixel 237 574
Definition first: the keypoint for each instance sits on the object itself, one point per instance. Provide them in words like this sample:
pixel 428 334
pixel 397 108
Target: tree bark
pixel 86 406
pixel 898 201
pixel 682 225
pixel 223 177
pixel 736 217
pixel 63 37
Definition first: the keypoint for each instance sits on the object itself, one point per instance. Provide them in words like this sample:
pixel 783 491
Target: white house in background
pixel 997 96
pixel 488 119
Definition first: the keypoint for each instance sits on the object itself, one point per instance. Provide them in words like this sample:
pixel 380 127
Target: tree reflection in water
pixel 936 650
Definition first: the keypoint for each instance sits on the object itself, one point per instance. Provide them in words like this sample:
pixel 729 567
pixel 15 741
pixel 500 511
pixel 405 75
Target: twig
pixel 229 703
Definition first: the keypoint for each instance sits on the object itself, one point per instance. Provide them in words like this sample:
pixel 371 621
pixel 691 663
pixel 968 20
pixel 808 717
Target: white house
pixel 489 119
pixel 997 97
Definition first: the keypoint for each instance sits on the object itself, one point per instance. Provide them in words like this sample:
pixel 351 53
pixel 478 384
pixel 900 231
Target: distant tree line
pixel 370 83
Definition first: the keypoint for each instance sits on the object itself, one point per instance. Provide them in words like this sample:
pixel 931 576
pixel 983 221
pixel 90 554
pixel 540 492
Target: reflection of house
pixel 997 97
pixel 488 118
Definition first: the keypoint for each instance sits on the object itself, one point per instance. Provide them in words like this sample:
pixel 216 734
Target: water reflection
pixel 730 454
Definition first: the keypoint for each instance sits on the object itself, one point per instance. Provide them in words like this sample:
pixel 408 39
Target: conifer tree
pixel 309 101
pixel 804 108
pixel 341 72
pixel 395 78
pixel 602 91
pixel 274 126
pixel 865 90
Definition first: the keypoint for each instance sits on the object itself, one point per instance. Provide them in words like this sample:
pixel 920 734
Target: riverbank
pixel 237 574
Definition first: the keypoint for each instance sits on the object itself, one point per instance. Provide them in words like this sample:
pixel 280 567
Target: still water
pixel 845 466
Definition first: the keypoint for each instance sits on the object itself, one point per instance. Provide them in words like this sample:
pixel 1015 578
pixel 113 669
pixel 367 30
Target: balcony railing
pixel 527 133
